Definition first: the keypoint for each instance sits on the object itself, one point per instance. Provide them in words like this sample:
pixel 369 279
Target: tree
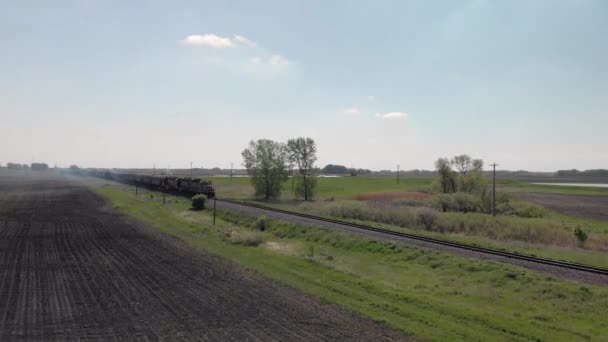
pixel 335 169
pixel 39 167
pixel 303 153
pixel 448 184
pixel 265 161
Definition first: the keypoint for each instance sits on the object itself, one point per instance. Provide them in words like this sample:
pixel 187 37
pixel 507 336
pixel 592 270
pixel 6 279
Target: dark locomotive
pixel 192 186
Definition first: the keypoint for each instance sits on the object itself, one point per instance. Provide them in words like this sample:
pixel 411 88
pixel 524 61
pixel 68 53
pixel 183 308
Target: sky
pixel 375 83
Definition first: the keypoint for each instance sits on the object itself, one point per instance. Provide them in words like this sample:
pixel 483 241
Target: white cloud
pixel 278 60
pixel 371 97
pixel 352 111
pixel 272 60
pixel 245 41
pixel 208 39
pixel 392 115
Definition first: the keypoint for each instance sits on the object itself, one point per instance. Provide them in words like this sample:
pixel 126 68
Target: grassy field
pixel 431 295
pixel 349 187
pixel 328 187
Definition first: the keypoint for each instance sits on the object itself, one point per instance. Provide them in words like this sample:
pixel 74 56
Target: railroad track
pixel 489 251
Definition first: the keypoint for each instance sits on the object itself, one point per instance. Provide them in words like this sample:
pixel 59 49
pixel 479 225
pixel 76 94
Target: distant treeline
pixel 586 173
pixel 34 166
pixel 331 169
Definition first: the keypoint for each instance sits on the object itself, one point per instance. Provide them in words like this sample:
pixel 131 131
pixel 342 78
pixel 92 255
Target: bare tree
pixel 265 161
pixel 303 153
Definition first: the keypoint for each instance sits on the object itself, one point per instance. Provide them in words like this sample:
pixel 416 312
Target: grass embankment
pixel 431 295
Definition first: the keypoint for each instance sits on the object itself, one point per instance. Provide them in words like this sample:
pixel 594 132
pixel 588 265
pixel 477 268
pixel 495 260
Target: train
pixel 193 186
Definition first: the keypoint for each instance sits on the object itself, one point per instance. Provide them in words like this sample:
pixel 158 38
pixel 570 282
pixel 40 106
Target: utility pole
pixel 494 188
pixel 231 171
pixel 397 173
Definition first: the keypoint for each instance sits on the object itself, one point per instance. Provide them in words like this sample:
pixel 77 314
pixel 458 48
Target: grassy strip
pixel 432 295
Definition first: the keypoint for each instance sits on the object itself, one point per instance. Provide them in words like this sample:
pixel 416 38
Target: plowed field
pixel 71 268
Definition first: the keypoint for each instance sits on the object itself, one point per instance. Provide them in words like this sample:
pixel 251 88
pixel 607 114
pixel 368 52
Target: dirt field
pixel 73 269
pixel 594 207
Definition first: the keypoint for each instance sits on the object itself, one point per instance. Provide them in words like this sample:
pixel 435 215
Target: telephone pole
pixel 231 170
pixel 494 188
pixel 397 173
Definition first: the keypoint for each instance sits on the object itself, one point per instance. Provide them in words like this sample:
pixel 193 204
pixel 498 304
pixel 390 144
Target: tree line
pixel 34 166
pixel 269 163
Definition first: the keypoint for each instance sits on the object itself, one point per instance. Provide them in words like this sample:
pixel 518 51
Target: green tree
pixel 303 153
pixel 446 175
pixel 265 161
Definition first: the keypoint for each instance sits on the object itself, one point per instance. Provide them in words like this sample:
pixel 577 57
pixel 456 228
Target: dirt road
pixel 73 269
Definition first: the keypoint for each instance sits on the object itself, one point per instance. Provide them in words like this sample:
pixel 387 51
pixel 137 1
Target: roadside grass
pixel 432 295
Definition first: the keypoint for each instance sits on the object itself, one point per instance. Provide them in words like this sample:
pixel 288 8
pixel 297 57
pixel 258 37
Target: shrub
pixel 252 239
pixel 521 209
pixel 199 201
pixel 580 235
pixel 465 202
pixel 426 217
pixel 260 223
pixel 443 202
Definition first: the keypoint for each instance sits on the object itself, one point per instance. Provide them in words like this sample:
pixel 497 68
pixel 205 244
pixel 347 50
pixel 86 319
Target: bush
pixel 199 201
pixel 426 217
pixel 252 239
pixel 443 202
pixel 465 202
pixel 521 209
pixel 261 223
pixel 580 235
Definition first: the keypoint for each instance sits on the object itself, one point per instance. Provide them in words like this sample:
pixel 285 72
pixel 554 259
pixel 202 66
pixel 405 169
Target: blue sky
pixel 376 83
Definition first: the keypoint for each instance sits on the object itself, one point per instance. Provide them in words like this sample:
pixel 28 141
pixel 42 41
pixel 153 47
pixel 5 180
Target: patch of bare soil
pixel 593 207
pixel 71 269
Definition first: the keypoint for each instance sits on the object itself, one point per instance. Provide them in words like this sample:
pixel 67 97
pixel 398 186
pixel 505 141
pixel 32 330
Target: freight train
pixel 192 186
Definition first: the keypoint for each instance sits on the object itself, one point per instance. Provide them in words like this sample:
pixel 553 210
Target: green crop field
pixel 431 295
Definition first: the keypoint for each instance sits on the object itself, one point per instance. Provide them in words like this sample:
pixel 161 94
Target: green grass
pixel 348 187
pixel 510 185
pixel 431 295
pixel 336 187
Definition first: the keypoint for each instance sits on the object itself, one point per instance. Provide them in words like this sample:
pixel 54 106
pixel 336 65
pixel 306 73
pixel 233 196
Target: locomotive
pixel 187 185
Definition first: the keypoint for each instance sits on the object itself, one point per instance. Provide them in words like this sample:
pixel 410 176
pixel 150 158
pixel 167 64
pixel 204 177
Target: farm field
pixel 380 201
pixel 74 269
pixel 431 295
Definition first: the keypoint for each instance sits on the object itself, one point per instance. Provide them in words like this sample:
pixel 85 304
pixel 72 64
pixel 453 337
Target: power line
pixel 494 188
